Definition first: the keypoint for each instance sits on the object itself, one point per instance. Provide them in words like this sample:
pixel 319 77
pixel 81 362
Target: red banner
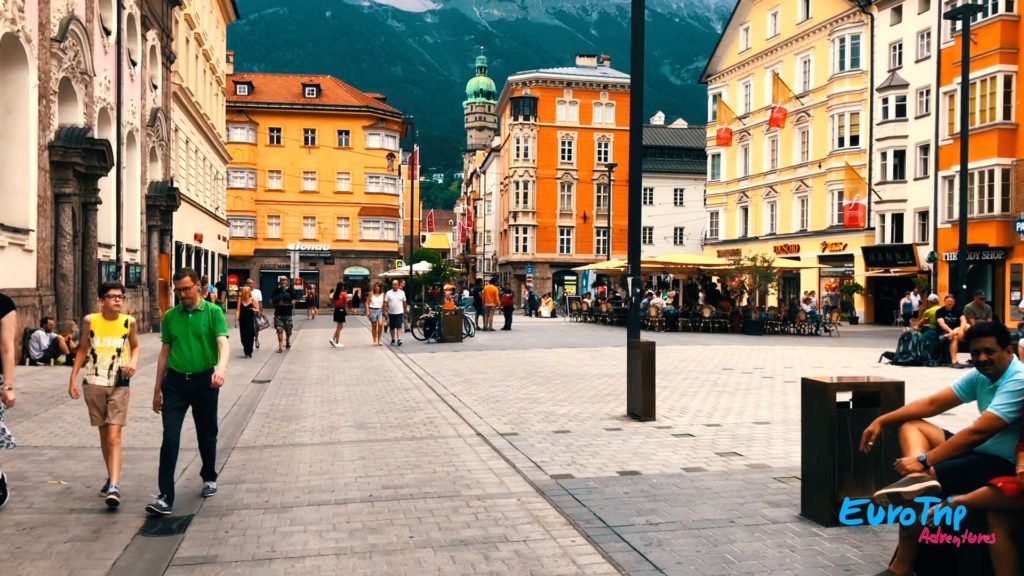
pixel 723 137
pixel 414 160
pixel 855 214
pixel 469 217
pixel 778 117
pixel 462 232
pixel 430 220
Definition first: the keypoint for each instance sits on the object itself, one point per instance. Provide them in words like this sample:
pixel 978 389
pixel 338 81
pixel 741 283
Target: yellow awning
pixel 437 241
pixel 604 265
pixel 686 260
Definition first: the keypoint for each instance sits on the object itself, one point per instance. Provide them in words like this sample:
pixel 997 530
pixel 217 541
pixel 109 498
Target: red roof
pixel 288 89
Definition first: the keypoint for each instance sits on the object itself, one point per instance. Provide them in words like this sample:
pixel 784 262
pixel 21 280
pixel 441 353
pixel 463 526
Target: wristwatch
pixel 923 460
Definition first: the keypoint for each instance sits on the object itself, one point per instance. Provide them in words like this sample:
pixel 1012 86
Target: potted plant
pixel 848 290
pixel 760 277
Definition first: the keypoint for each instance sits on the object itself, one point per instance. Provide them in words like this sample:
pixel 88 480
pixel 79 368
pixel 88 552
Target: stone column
pixel 64 261
pixel 90 250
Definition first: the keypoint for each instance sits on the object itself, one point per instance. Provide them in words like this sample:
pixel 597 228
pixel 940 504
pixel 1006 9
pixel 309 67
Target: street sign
pixel 529 268
pixel 1018 226
pixel 529 278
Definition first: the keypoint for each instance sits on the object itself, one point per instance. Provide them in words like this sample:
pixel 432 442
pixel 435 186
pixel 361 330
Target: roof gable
pixel 727 39
pixel 288 90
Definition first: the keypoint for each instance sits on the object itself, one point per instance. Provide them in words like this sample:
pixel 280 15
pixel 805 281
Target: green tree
pixel 760 276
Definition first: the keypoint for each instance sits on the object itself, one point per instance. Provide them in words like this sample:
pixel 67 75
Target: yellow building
pixel 781 191
pixel 314 183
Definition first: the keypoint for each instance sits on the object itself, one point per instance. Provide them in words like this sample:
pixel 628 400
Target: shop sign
pixel 1018 224
pixel 329 261
pixel 272 266
pixel 890 256
pixel 990 255
pixel 730 253
pixel 786 249
pixel 303 247
pixel 833 246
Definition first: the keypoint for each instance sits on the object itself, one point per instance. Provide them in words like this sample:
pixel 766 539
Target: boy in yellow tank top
pixel 109 352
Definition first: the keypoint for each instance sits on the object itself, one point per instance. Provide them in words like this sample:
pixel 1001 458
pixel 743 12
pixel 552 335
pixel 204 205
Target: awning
pixel 437 241
pixel 894 272
pixel 356 273
pixel 382 211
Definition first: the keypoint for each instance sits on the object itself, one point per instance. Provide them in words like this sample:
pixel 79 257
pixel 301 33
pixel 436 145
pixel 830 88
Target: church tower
pixel 480 108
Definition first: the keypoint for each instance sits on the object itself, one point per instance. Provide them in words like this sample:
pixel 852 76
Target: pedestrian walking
pixel 109 352
pixel 189 372
pixel 397 306
pixel 357 300
pixel 508 306
pixel 339 301
pixel 245 320
pixel 8 327
pixel 478 303
pixel 283 300
pixel 312 302
pixel 257 296
pixel 374 305
pixel 491 300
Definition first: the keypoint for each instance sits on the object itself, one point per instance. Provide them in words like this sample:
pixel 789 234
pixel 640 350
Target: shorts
pixel 968 472
pixel 1008 486
pixel 283 323
pixel 339 315
pixel 396 321
pixel 374 314
pixel 107 404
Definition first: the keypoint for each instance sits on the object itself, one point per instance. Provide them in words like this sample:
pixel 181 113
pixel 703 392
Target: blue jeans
pixel 181 393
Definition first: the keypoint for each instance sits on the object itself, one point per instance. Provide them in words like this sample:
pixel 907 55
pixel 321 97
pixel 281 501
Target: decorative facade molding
pixel 12 19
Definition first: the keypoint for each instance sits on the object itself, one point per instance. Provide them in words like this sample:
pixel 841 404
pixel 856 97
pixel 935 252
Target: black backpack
pixel 908 351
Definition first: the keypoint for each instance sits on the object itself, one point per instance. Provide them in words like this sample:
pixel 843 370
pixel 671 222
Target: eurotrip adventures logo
pixel 931 517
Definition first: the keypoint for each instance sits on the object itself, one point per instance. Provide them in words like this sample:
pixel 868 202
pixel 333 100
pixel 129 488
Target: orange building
pixel 315 182
pixel 562 130
pixel 995 172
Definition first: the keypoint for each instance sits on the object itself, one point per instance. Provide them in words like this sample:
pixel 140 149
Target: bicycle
pixel 428 326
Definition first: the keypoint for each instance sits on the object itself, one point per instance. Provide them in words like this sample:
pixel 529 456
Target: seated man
pixel 977 310
pixel 46 345
pixel 658 301
pixel 936 462
pixel 951 326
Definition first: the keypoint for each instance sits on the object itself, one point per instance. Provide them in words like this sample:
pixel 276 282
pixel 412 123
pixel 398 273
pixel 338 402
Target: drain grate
pixel 628 473
pixel 761 423
pixel 788 479
pixel 560 431
pixel 683 435
pixel 261 381
pixel 694 469
pixel 613 429
pixel 729 454
pixel 712 425
pixel 662 427
pixel 562 476
pixel 165 525
pixel 507 434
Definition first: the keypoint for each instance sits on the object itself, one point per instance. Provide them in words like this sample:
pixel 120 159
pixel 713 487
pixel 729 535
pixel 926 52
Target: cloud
pixel 410 5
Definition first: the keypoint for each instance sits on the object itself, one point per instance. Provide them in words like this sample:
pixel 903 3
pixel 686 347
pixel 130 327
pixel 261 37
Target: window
pixel 567 111
pixel 747 91
pixel 609 112
pixel 985 195
pixel 521 195
pixel 522 239
pixel 517 148
pixel 647 199
pixel 835 208
pixel 773 152
pixel 923 6
pixel 743 222
pixel 647 235
pixel 713 107
pixel 949 186
pixel 273 226
pixel 773 23
pixel 845 130
pixel 771 209
pixel 309 181
pixel 341 228
pixel 679 197
pixel 378 229
pixel 242 227
pixel 241 89
pixel 714 223
pixel 344 139
pixel 309 227
pixel 273 180
pixel 924 153
pixel 309 136
pixel 604 112
pixel 845 53
pixel 274 136
pixel 1007 98
pixel 804 143
pixel 715 167
pixel 882 229
pixel 343 182
pixel 527 145
pixel 899 165
pixel 894 107
pixel 245 133
pixel 385 140
pixel 382 183
pixel 896 15
pixel 565 240
pixel 895 55
pixel 951 116
pixel 924 44
pixel 745 159
pixel 309 91
pixel 804 10
pixel 990 9
pixel 924 101
pixel 896 228
pixel 922 230
pixel 806 73
pixel 601 198
pixel 803 211
pixel 566 151
pixel 600 241
pixel 565 197
pixel 745 37
pixel 604 151
pixel 679 236
pixel 242 178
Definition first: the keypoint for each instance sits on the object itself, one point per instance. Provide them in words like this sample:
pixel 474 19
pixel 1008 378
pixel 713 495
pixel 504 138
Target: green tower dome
pixel 481 88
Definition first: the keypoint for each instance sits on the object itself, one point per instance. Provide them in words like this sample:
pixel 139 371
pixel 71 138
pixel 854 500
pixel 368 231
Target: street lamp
pixel 611 166
pixel 963 13
pixel 410 130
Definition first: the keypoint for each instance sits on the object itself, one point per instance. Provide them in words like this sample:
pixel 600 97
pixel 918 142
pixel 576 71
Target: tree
pixel 421 254
pixel 759 274
pixel 848 289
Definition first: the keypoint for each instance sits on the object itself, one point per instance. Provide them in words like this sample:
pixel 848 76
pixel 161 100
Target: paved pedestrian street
pixel 509 453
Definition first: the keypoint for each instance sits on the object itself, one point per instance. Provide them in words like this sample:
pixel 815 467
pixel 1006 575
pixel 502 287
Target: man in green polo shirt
pixel 189 374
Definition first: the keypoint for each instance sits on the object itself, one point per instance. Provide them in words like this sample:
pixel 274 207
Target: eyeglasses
pixel 114 297
pixel 185 289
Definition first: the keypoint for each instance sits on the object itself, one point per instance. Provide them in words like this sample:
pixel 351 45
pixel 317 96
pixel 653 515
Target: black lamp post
pixel 963 13
pixel 611 166
pixel 410 130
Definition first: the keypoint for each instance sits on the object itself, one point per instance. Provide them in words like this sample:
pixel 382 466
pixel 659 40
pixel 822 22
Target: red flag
pixel 778 117
pixel 414 160
pixel 855 214
pixel 723 137
pixel 430 220
pixel 469 217
pixel 462 232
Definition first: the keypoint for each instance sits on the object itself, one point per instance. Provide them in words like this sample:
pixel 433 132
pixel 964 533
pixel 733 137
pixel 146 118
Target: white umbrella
pixel 418 269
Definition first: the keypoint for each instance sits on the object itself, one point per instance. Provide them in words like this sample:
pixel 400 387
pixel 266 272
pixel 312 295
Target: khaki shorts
pixel 107 404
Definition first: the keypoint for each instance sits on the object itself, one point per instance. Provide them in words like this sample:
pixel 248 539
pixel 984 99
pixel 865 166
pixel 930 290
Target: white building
pixel 674 174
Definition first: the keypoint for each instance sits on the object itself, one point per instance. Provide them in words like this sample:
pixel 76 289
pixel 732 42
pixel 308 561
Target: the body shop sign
pixel 990 255
pixel 310 250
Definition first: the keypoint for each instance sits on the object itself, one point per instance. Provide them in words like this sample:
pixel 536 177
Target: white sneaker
pixel 331 342
pixel 339 345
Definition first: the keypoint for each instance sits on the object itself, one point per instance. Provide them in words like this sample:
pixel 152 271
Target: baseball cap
pixel 979 293
pixel 933 297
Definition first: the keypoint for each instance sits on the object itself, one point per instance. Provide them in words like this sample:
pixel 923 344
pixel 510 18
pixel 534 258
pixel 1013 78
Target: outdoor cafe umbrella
pixel 418 269
pixel 687 260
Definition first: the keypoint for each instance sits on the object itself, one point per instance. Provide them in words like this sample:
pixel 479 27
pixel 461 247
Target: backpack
pixel 908 351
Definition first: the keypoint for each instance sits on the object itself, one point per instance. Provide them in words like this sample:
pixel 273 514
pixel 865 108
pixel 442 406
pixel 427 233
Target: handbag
pixel 262 322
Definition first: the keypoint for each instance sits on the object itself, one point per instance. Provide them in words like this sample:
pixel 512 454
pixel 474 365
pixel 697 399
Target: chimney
pixel 604 61
pixel 658 119
pixel 229 63
pixel 378 97
pixel 586 60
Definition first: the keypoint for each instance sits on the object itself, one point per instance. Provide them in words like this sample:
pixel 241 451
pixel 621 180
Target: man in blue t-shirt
pixel 937 462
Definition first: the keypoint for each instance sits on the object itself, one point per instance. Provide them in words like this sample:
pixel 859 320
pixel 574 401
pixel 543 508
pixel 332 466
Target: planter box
pixel 853 320
pixel 753 327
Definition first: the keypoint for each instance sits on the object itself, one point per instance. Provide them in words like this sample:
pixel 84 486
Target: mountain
pixel 420 52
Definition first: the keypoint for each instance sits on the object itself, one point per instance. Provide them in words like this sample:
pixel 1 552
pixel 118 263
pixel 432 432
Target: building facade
pixel 199 156
pixel 82 88
pixel 564 161
pixel 314 184
pixel 996 145
pixel 675 172
pixel 780 191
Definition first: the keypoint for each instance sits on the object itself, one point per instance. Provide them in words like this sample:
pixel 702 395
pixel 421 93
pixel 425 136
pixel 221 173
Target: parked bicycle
pixel 428 326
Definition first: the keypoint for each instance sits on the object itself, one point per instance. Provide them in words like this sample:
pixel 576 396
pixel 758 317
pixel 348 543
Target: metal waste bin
pixel 834 413
pixel 451 326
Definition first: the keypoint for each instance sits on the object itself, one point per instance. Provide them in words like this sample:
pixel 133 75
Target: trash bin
pixel 451 326
pixel 834 413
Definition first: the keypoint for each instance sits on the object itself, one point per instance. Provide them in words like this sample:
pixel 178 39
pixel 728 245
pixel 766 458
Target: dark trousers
pixel 508 317
pixel 180 394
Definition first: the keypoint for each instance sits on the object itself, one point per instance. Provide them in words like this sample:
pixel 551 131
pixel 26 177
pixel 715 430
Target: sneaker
pixel 159 507
pixel 106 486
pixel 399 343
pixel 209 489
pixel 903 491
pixel 257 344
pixel 331 342
pixel 113 498
pixel 4 492
pixel 339 345
pixel 288 344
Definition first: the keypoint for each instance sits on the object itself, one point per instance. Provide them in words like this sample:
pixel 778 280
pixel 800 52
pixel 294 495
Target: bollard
pixel 640 391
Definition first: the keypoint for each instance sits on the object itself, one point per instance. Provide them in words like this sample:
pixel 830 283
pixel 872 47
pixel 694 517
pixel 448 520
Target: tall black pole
pixel 636 134
pixel 963 13
pixel 118 147
pixel 611 166
pixel 410 126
